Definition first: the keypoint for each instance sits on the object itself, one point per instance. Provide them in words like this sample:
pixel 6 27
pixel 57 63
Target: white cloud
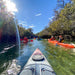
pixel 51 18
pixel 31 26
pixel 38 14
pixel 23 23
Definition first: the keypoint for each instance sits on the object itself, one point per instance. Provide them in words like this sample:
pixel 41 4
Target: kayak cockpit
pixel 37 57
pixel 38 69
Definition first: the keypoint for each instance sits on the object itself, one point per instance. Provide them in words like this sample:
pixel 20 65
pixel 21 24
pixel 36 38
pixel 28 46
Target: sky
pixel 34 14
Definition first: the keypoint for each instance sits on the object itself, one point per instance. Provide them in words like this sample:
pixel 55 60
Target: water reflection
pixel 7 57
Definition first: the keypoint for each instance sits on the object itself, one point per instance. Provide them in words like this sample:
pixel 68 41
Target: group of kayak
pixel 26 40
pixel 60 42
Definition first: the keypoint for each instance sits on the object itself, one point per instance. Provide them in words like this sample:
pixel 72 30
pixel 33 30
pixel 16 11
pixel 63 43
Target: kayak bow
pixel 37 65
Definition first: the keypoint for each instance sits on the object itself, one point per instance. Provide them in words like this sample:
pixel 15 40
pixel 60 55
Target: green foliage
pixel 63 22
pixel 7 24
pixel 44 34
pixel 25 32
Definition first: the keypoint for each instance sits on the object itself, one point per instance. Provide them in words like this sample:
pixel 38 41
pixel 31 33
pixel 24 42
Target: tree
pixel 25 32
pixel 8 32
pixel 64 21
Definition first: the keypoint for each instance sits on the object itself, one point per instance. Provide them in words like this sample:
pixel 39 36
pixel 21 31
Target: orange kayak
pixel 61 44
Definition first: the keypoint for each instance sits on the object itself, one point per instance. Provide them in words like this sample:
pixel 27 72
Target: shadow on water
pixel 7 57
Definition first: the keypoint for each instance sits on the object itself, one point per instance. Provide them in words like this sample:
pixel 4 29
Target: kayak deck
pixel 37 65
pixel 37 69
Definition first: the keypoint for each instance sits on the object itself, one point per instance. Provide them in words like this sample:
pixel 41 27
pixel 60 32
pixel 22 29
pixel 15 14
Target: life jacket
pixel 52 38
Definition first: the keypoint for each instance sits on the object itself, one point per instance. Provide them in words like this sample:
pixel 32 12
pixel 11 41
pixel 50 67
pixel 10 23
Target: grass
pixel 61 59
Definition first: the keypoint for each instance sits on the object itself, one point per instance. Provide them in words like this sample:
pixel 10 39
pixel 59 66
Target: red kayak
pixel 21 39
pixel 61 44
pixel 24 40
pixel 31 40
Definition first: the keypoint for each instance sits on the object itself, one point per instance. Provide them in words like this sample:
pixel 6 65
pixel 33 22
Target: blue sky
pixel 35 14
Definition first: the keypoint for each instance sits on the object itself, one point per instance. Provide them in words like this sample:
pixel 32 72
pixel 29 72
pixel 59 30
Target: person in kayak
pixel 61 39
pixel 26 39
pixel 52 38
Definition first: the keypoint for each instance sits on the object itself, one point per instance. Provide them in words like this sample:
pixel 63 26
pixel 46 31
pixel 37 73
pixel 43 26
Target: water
pixel 21 55
pixel 27 50
pixel 61 61
pixel 7 57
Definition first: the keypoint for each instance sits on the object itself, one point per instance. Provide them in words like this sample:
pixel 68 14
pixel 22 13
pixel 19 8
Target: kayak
pixel 37 65
pixel 24 41
pixel 61 44
pixel 31 40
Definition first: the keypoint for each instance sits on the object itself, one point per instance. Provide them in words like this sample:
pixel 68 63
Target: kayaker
pixel 61 39
pixel 52 38
pixel 26 39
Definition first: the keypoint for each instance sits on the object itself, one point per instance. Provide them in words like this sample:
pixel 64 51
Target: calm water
pixel 21 55
pixel 27 50
pixel 63 62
